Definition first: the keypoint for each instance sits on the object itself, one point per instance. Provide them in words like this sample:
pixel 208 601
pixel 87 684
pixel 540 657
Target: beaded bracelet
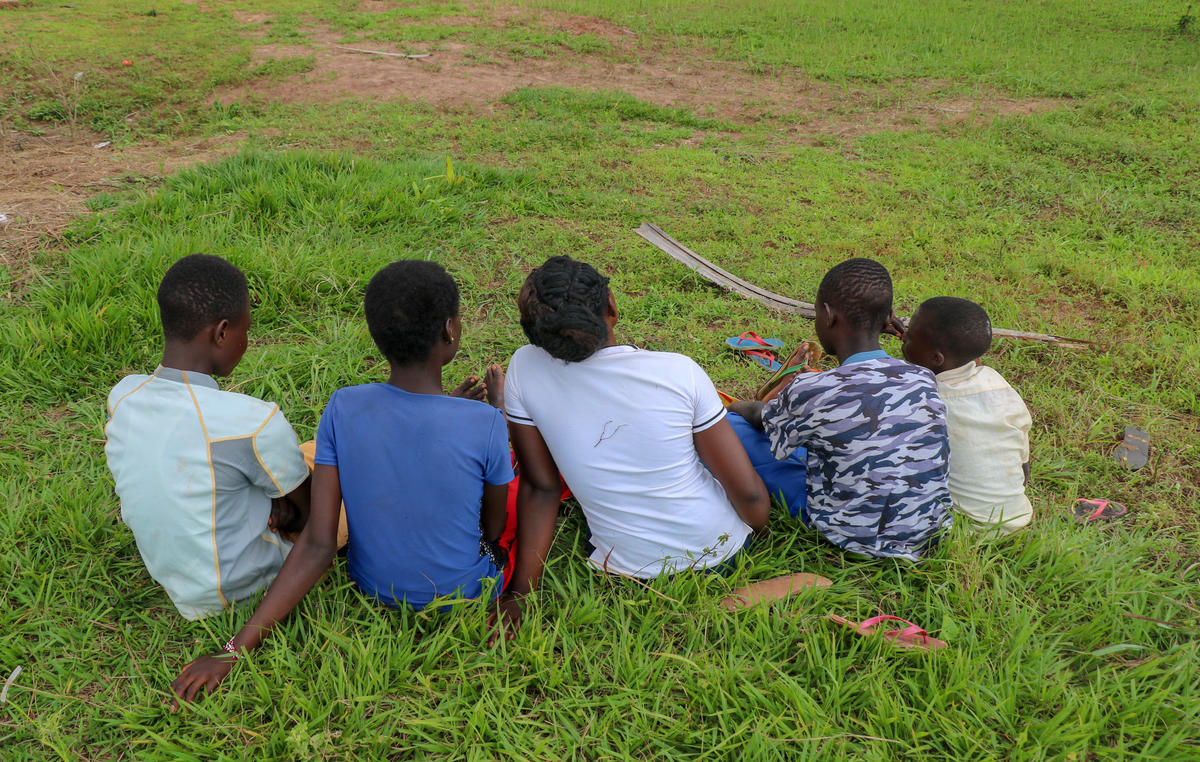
pixel 230 649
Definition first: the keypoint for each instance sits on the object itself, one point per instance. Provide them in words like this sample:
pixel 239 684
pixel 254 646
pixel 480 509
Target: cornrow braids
pixel 563 305
pixel 407 305
pixel 197 291
pixel 861 290
pixel 959 327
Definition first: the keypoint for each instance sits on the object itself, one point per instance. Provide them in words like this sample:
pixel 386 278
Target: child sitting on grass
pixel 424 476
pixel 639 436
pixel 987 419
pixel 204 476
pixel 874 427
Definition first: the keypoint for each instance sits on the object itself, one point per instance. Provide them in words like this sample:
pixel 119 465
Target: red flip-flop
pixel 1089 509
pixel 911 637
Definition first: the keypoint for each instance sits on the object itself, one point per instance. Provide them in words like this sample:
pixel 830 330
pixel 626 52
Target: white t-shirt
pixel 620 426
pixel 989 442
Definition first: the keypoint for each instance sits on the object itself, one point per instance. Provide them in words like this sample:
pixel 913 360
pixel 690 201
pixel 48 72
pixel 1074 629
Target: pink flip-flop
pixel 910 637
pixel 1087 510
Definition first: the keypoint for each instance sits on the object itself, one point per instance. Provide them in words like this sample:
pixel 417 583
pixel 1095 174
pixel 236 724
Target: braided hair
pixel 861 290
pixel 407 305
pixel 197 291
pixel 563 305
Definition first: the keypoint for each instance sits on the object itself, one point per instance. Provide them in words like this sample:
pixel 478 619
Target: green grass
pixel 1079 220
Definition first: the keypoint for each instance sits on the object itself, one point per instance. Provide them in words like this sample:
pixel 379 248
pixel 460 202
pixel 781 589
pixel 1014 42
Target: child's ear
pixel 939 359
pixel 220 331
pixel 830 315
pixel 611 310
pixel 452 330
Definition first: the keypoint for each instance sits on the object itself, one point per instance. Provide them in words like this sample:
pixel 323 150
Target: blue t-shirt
pixel 412 469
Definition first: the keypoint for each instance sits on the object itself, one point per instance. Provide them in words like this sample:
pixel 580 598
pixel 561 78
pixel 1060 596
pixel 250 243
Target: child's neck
pixel 418 377
pixel 854 345
pixel 187 356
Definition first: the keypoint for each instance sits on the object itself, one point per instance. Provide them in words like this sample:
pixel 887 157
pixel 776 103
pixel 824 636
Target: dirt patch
pixel 245 17
pixel 578 25
pixel 377 6
pixel 456 75
pixel 45 181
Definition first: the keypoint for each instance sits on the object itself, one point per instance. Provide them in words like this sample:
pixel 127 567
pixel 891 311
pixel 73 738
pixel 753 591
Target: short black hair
pixel 563 305
pixel 960 328
pixel 197 291
pixel 407 305
pixel 861 290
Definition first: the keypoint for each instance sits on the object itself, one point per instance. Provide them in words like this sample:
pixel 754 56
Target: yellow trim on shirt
pixel 213 475
pixel 254 445
pixel 113 410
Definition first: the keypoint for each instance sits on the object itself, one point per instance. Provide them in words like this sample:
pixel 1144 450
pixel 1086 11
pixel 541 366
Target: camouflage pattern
pixel 878 454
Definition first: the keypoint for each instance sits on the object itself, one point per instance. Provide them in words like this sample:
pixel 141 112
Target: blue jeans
pixel 787 479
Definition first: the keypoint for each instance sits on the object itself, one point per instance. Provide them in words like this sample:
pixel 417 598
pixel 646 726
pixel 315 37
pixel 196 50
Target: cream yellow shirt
pixel 989 442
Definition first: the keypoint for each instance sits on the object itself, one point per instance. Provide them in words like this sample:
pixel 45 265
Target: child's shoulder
pixel 229 414
pixel 125 386
pixel 368 396
pixel 978 379
pixel 878 372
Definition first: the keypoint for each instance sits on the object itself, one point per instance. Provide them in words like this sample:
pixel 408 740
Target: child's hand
pixel 469 389
pixel 751 410
pixel 493 385
pixel 894 326
pixel 284 517
pixel 505 618
pixel 203 674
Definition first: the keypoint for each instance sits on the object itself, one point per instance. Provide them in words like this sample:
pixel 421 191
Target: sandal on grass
pixel 775 589
pixel 910 637
pixel 803 358
pixel 1133 451
pixel 1087 510
pixel 763 358
pixel 751 340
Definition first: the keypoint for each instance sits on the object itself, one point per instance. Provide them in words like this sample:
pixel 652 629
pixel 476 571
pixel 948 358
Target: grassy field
pixel 1077 217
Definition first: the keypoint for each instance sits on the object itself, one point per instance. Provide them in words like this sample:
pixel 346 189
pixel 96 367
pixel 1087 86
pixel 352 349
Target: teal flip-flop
pixel 763 358
pixel 751 340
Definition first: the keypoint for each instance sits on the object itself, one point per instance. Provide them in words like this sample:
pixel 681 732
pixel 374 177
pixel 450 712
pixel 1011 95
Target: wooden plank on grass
pixel 731 282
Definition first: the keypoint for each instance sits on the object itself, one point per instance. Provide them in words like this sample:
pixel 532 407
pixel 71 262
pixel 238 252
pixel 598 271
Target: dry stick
pixel 8 684
pixel 731 282
pixel 832 738
pixel 382 53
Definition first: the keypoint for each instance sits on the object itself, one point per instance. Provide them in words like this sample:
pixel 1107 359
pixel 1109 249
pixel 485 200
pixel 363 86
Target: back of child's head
pixel 959 328
pixel 563 308
pixel 197 291
pixel 860 290
pixel 407 305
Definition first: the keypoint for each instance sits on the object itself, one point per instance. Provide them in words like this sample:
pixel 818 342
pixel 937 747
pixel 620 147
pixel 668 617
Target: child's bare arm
pixel 722 451
pixel 308 560
pixel 495 496
pixel 537 509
